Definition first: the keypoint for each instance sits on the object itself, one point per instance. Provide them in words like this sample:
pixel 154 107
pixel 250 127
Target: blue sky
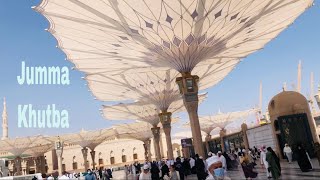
pixel 22 38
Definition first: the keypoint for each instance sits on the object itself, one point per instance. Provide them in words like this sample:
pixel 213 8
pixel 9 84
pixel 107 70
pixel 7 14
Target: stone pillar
pixel 146 146
pixel 93 154
pixel 161 146
pixel 156 141
pixel 165 119
pixel 85 158
pixel 208 138
pixel 188 86
pixel 222 134
pixel 24 166
pixel 17 164
pixel 149 150
pixel 37 163
pixel 42 164
pixel 244 129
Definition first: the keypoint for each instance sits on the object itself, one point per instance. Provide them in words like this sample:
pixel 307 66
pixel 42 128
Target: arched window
pixel 100 159
pixel 124 157
pixel 111 157
pixel 74 163
pixel 63 165
pixel 135 155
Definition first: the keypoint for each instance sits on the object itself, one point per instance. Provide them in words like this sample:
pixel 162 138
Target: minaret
pixel 259 113
pixel 299 78
pixel 260 96
pixel 313 109
pixel 4 121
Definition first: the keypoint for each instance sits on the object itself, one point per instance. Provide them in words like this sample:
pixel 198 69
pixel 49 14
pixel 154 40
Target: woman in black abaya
pixel 303 160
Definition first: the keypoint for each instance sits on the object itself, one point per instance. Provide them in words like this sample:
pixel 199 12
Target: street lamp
pixel 165 117
pixel 59 151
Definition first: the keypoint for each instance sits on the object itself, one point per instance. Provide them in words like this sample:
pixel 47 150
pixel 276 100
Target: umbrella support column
pixel 208 138
pixel 222 134
pixel 188 85
pixel 85 158
pixel 156 142
pixel 93 154
pixel 244 129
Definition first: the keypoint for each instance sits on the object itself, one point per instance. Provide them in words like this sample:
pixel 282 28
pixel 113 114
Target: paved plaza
pixel 289 171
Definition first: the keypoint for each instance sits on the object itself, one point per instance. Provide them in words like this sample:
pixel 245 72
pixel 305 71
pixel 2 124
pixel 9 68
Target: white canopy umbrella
pixel 138 131
pixel 18 146
pixel 139 36
pixel 89 139
pixel 166 33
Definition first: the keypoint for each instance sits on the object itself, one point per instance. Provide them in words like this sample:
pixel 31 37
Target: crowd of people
pixel 178 169
pixel 90 174
pixel 216 166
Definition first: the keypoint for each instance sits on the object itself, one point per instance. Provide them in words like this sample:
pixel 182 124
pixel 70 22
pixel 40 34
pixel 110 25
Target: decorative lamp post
pixel 59 151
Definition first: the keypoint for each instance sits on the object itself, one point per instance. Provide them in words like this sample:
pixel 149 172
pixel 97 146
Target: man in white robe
pixel 263 160
pixel 223 160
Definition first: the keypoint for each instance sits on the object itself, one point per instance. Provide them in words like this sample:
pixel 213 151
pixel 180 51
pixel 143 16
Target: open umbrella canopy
pixel 89 139
pixel 101 36
pixel 18 146
pixel 221 120
pixel 141 111
pixel 155 87
pixel 138 131
pixel 39 150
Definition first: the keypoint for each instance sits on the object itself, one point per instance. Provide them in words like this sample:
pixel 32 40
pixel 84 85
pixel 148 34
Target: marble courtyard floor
pixel 289 171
